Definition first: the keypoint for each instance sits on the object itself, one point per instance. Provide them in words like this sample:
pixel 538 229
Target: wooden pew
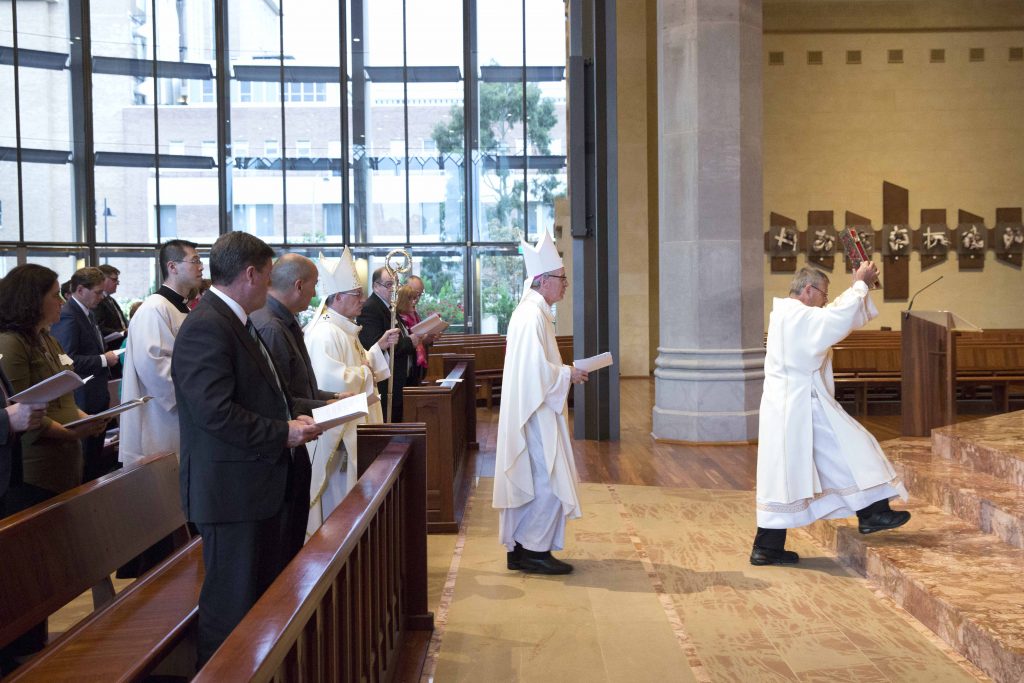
pixel 77 539
pixel 449 412
pixel 352 605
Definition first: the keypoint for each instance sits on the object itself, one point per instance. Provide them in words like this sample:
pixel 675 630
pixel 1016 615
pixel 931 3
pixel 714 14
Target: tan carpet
pixel 663 591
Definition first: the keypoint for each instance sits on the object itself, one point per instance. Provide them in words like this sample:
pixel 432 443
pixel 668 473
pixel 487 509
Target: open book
pixel 432 324
pixel 602 360
pixel 110 412
pixel 340 412
pixel 113 336
pixel 51 388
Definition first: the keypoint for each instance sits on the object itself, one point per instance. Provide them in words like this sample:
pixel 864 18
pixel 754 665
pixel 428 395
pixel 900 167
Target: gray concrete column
pixel 709 368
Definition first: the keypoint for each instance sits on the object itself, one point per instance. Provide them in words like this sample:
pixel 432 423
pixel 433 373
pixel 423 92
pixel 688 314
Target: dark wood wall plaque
pixel 896 233
pixel 971 241
pixel 821 239
pixel 783 242
pixel 932 240
pixel 1007 239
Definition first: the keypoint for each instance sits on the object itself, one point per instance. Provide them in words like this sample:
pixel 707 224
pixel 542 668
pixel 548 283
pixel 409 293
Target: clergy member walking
pixel 535 474
pixel 814 461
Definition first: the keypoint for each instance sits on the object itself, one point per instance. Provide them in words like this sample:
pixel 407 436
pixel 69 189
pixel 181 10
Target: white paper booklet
pixel 340 412
pixel 110 412
pixel 429 325
pixel 601 360
pixel 51 388
pixel 113 336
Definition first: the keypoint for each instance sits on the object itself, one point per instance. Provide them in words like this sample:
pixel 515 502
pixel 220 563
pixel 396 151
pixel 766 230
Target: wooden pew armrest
pixel 128 637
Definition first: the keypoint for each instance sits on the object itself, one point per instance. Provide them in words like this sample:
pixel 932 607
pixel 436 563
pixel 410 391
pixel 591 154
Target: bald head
pixel 293 281
pixel 288 269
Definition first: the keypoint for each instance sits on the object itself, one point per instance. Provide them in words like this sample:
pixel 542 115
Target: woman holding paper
pixel 30 303
pixel 406 307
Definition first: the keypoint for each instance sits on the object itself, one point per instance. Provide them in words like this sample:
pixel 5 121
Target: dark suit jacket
pixel 376 320
pixel 111 318
pixel 233 420
pixel 282 335
pixel 80 340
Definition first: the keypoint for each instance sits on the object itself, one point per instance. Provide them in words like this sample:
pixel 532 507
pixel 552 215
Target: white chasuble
pixel 813 460
pixel 341 365
pixel 153 427
pixel 534 463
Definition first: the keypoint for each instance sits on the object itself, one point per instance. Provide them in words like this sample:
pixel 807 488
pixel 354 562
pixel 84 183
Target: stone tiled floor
pixel 663 591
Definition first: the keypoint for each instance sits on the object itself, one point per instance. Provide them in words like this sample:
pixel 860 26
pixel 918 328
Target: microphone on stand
pixel 911 304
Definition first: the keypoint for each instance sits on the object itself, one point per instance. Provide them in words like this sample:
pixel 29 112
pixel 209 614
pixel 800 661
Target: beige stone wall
pixel 635 324
pixel 951 133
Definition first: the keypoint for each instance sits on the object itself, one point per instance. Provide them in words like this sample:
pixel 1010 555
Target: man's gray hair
pixel 807 276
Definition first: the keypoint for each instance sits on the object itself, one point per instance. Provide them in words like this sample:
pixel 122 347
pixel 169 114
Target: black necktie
pixel 96 329
pixel 266 356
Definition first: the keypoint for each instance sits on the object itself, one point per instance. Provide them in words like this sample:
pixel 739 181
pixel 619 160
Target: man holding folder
pixel 534 474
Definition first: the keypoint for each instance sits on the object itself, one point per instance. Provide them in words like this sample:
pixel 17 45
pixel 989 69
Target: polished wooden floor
pixel 638 459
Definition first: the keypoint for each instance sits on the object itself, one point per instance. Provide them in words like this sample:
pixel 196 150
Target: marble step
pixel 963 584
pixel 988 504
pixel 992 445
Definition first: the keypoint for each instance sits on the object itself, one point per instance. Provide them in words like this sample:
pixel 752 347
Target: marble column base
pixel 707 395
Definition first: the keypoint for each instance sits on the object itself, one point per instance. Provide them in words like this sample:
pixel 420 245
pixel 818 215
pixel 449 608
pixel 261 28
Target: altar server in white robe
pixel 153 427
pixel 814 461
pixel 535 474
pixel 341 365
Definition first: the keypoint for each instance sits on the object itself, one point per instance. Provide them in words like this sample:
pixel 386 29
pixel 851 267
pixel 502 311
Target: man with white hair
pixel 814 461
pixel 535 474
pixel 341 365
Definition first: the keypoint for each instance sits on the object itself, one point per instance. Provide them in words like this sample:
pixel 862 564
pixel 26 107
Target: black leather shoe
pixel 543 563
pixel 763 556
pixel 880 521
pixel 513 560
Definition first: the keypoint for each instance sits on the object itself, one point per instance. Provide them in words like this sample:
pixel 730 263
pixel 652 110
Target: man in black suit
pixel 80 336
pixel 242 458
pixel 108 312
pixel 375 321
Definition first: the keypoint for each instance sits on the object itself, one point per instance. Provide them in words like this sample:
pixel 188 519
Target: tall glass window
pixel 436 126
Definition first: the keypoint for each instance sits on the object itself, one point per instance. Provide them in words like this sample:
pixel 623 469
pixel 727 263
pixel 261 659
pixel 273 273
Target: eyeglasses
pixel 355 292
pixel 560 277
pixel 824 294
pixel 194 261
pixel 386 285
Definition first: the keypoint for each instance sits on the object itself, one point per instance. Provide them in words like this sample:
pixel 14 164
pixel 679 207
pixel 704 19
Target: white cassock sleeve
pixel 378 363
pixel 151 343
pixel 559 391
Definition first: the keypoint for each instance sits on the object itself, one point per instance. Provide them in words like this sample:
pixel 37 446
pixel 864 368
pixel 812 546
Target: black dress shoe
pixel 543 563
pixel 763 556
pixel 880 521
pixel 513 560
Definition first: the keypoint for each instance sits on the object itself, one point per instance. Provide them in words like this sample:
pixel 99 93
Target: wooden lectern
pixel 928 395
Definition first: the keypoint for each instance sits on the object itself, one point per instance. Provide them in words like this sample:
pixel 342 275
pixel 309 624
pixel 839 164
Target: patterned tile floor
pixel 663 591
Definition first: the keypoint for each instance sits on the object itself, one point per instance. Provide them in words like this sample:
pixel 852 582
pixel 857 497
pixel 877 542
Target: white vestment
pixel 337 358
pixel 814 461
pixel 153 427
pixel 534 472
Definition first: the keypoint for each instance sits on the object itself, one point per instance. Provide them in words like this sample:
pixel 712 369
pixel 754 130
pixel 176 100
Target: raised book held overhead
pixel 110 412
pixel 342 411
pixel 432 324
pixel 51 388
pixel 601 360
